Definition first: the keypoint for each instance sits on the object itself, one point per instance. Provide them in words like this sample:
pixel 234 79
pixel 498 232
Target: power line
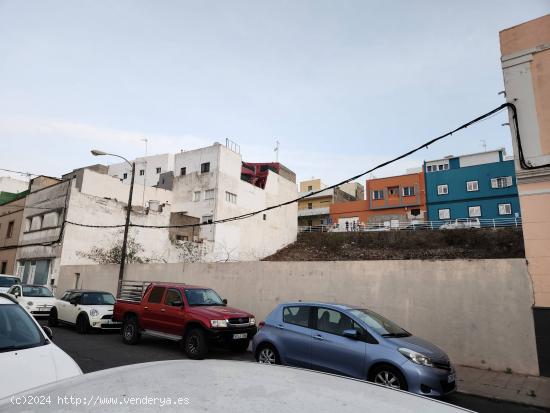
pixel 381 165
pixel 19 172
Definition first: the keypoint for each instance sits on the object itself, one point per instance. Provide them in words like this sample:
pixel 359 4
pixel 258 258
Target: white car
pixel 85 309
pixel 223 385
pixel 28 358
pixel 6 281
pixel 461 223
pixel 37 299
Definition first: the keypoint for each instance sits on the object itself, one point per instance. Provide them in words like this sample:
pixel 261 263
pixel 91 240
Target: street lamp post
pixel 96 152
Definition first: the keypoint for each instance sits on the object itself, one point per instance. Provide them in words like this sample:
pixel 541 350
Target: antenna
pixel 276 150
pixel 145 140
pixel 484 144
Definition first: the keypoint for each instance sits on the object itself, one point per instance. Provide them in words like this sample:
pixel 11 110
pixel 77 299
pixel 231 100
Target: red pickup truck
pixel 195 316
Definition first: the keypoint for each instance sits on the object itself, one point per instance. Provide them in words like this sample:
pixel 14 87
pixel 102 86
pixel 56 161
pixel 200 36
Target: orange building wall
pixel 368 209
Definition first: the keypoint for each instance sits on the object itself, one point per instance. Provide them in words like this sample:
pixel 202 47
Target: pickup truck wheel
pixel 82 324
pixel 130 330
pixel 240 346
pixel 53 321
pixel 195 344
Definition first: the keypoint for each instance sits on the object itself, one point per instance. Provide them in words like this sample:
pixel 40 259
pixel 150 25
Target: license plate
pixel 451 378
pixel 238 336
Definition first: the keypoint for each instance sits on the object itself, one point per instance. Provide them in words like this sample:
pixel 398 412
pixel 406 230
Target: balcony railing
pixel 313 211
pixel 395 225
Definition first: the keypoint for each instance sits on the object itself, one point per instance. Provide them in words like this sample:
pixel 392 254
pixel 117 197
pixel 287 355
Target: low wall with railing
pixel 470 223
pixel 479 311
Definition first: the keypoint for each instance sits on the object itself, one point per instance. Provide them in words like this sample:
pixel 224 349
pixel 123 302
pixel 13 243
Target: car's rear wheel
pixel 130 330
pixel 389 376
pixel 267 354
pixel 82 324
pixel 53 321
pixel 195 344
pixel 240 346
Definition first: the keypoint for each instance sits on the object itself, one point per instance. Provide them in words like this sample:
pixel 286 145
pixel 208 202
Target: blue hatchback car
pixel 355 342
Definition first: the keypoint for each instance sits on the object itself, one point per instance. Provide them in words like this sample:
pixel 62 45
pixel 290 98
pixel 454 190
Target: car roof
pixel 336 306
pixel 33 285
pixel 180 285
pixel 311 391
pixel 78 290
pixel 8 276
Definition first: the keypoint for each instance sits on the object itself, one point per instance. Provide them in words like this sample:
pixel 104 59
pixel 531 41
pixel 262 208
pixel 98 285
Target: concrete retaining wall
pixel 479 311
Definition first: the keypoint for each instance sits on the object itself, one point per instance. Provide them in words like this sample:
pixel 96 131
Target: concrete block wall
pixel 479 311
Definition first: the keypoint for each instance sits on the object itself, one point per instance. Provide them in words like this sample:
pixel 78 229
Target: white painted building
pixel 12 185
pixel 148 169
pixel 207 184
pixel 97 199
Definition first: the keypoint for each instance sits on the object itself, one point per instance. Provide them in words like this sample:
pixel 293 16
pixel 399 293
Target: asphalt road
pixel 103 350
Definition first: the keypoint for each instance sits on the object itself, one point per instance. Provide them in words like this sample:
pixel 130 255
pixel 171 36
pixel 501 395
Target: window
pixel 27 224
pixel 501 182
pixel 4 267
pixel 442 189
pixel 334 322
pixel 298 315
pixel 36 222
pixel 196 196
pixel 310 188
pixel 159 170
pixel 156 295
pixel 310 222
pixel 428 168
pixel 9 233
pixel 309 205
pixel 230 197
pixel 445 213
pixel 209 194
pixel 141 172
pixel 124 176
pixel 182 238
pixel 207 219
pixel 394 190
pixel 205 167
pixel 474 211
pixel 408 191
pixel 504 209
pixel 437 167
pixel 51 219
pixel 265 217
pixel 173 298
pixel 472 186
pixel 183 171
pixel 378 194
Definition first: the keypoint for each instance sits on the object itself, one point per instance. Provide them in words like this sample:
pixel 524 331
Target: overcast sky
pixel 342 85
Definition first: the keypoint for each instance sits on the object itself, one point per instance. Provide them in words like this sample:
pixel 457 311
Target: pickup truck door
pixel 151 310
pixel 174 313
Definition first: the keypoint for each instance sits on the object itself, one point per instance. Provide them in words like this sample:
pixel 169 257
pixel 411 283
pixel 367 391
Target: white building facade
pixel 207 184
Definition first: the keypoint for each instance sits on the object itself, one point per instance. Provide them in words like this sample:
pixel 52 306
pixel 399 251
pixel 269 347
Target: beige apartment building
pixel 525 60
pixel 11 216
pixel 314 210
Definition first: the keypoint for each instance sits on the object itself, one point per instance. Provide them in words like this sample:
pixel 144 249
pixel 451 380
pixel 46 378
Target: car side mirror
pixel 16 294
pixel 48 332
pixel 177 303
pixel 73 301
pixel 224 301
pixel 351 333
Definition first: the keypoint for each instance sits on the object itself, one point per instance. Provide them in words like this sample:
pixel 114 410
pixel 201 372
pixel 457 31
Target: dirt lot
pixel 405 245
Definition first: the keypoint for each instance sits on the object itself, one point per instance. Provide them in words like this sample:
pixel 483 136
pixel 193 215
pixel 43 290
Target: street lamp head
pixel 97 152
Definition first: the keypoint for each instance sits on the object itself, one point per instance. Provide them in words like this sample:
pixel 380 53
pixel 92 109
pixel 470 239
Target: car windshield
pixel 202 296
pixel 98 299
pixel 6 282
pixel 36 291
pixel 381 325
pixel 17 329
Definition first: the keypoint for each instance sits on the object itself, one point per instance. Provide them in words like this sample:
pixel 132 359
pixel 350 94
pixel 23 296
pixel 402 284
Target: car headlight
pixel 416 357
pixel 94 312
pixel 218 323
pixel 252 321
